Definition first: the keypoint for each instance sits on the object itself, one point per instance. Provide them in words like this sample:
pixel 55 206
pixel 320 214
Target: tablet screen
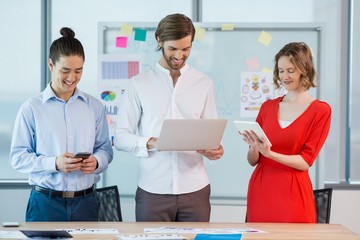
pixel 254 126
pixel 48 234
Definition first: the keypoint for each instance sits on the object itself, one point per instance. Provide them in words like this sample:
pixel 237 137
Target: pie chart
pixel 108 96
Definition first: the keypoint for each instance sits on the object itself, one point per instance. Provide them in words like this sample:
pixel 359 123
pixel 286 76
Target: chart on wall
pixel 114 74
pixel 238 57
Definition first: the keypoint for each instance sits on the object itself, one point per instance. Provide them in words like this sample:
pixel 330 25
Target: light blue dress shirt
pixel 47 127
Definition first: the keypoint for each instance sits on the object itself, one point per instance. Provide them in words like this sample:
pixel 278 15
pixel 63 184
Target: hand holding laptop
pixel 151 144
pixel 190 135
pixel 215 154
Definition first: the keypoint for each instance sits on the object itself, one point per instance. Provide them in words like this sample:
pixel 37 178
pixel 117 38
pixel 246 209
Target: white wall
pixel 13 204
pixel 345 209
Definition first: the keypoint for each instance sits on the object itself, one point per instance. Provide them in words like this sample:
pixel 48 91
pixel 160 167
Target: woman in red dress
pixel 280 189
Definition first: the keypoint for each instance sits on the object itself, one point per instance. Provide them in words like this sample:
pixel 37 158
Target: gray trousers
pixel 189 207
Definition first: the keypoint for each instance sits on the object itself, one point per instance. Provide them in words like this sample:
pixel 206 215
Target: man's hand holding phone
pixel 88 162
pixel 68 162
pixel 82 155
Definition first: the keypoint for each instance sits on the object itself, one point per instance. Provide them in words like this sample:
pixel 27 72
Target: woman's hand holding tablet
pixel 254 126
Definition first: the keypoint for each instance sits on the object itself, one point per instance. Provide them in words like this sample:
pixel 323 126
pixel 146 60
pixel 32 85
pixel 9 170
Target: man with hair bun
pixel 50 129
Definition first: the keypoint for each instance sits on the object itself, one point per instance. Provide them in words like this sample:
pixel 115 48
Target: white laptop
pixel 191 134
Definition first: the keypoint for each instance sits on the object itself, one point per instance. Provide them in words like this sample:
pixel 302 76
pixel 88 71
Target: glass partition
pixel 20 63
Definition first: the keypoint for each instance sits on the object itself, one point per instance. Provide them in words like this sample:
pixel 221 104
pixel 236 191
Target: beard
pixel 170 63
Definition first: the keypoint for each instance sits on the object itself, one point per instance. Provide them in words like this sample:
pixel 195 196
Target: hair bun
pixel 67 32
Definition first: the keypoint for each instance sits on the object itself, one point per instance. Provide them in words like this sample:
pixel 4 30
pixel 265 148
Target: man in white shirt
pixel 172 186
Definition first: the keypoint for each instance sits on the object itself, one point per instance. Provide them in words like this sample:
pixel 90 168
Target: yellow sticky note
pixel 266 69
pixel 227 27
pixel 199 33
pixel 126 29
pixel 264 38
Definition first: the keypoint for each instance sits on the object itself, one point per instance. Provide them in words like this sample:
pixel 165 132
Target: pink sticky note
pixel 121 42
pixel 253 64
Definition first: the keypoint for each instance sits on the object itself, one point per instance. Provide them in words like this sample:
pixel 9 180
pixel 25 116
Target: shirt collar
pixel 48 94
pixel 182 70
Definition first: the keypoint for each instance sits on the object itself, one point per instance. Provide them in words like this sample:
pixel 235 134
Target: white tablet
pixel 254 126
pixel 190 134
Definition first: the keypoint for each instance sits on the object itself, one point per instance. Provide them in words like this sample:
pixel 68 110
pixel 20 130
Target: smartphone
pixel 82 155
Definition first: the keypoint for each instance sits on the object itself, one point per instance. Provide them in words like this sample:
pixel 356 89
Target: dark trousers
pixel 43 208
pixel 189 207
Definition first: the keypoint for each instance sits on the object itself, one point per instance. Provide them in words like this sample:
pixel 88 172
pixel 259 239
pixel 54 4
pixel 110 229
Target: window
pixel 20 68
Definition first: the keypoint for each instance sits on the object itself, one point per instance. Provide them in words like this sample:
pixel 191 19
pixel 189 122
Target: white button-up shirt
pixel 150 99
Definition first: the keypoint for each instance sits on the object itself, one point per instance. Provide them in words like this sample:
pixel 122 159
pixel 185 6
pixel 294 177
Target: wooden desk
pixel 274 231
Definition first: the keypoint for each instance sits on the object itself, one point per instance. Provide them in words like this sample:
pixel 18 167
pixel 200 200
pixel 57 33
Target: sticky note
pixel 199 33
pixel 121 42
pixel 227 27
pixel 140 35
pixel 266 69
pixel 126 29
pixel 264 38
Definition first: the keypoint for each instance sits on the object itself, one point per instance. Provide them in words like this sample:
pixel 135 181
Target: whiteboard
pixel 223 55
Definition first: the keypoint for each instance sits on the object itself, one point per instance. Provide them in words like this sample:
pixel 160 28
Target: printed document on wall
pixel 256 88
pixel 114 73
